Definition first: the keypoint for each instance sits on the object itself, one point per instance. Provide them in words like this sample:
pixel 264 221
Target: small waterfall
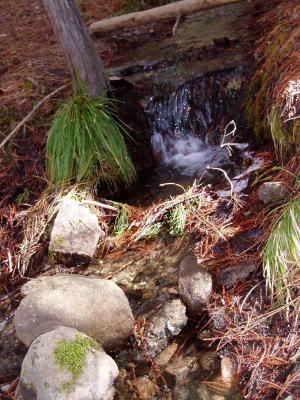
pixel 188 124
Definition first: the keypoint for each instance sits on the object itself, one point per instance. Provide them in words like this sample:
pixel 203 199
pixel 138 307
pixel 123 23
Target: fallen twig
pixel 154 14
pixel 227 178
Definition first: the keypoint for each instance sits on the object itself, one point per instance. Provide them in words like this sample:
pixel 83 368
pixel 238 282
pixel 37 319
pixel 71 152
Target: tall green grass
pixel 281 256
pixel 86 142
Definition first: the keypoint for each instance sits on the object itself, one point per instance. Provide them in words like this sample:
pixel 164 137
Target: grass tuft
pixel 281 139
pixel 151 231
pixel 177 220
pixel 281 256
pixel 86 142
pixel 121 223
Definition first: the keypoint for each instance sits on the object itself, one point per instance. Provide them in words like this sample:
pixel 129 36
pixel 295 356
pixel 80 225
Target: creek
pixel 191 92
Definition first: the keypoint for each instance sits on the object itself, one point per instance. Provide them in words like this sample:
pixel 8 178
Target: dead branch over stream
pixel 172 10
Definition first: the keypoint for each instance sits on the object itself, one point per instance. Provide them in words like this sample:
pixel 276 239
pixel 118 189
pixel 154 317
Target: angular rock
pixel 184 377
pixel 195 284
pixel 164 357
pixel 75 232
pixel 228 277
pixel 166 323
pixel 96 307
pixel 177 372
pixel 145 388
pixel 65 364
pixel 272 192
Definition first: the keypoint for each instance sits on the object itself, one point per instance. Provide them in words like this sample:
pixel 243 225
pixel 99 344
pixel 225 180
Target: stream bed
pixel 191 87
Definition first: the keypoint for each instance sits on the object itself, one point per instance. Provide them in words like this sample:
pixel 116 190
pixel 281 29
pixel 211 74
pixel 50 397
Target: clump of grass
pixel 86 142
pixel 150 231
pixel 177 220
pixel 280 139
pixel 281 256
pixel 70 356
pixel 121 223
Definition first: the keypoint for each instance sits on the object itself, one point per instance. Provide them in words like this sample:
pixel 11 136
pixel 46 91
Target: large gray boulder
pixel 97 307
pixel 195 284
pixel 75 232
pixel 166 323
pixel 65 364
pixel 272 192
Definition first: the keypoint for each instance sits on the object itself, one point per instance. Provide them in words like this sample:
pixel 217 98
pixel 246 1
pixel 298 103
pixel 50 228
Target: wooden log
pixel 172 10
pixel 84 63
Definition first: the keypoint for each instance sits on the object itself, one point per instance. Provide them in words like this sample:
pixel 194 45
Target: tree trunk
pixel 85 65
pixel 172 10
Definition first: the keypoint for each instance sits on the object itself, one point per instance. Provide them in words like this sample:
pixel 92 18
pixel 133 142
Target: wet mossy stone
pixel 195 284
pixel 68 365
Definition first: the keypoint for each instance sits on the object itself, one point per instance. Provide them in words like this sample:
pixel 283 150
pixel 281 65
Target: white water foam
pixel 189 155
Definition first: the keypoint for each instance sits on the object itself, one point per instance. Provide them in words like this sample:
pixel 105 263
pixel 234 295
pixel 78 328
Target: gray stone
pixel 97 307
pixel 44 378
pixel 75 232
pixel 195 284
pixel 166 323
pixel 12 352
pixel 228 277
pixel 272 192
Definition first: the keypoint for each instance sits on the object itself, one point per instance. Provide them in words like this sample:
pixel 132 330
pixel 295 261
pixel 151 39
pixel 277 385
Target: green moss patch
pixel 70 356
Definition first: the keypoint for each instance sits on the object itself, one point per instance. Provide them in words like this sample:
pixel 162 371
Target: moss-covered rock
pixel 65 364
pixel 70 356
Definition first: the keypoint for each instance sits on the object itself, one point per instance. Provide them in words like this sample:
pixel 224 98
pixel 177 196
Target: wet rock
pixel 145 388
pixel 272 192
pixel 184 377
pixel 229 277
pixel 12 352
pixel 166 323
pixel 177 372
pixel 195 284
pixel 75 232
pixel 165 356
pixel 208 360
pixel 218 320
pixel 4 389
pixel 66 364
pixel 97 307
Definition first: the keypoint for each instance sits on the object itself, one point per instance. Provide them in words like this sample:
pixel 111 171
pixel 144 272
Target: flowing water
pixel 188 126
